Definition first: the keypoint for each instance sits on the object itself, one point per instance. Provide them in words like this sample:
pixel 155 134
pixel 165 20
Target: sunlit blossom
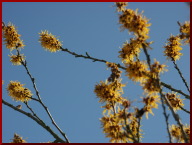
pixel 136 23
pixel 17 139
pixel 173 48
pixel 121 6
pixel 17 59
pixel 11 37
pixel 49 41
pixel 18 92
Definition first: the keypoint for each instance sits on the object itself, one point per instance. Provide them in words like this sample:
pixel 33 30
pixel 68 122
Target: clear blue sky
pixel 66 84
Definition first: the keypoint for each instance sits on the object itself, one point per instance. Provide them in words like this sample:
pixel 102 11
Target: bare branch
pixel 41 123
pixel 181 75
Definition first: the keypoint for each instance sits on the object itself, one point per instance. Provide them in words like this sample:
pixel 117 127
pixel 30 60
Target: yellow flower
pixel 16 59
pixel 175 131
pixel 116 73
pixel 173 47
pixel 11 37
pixel 175 101
pixel 147 110
pixel 130 50
pixel 113 129
pixel 121 6
pixel 150 86
pixel 17 139
pixel 49 41
pixel 110 92
pixel 137 71
pixel 157 68
pixel 18 92
pixel 152 101
pixel 185 32
pixel 135 23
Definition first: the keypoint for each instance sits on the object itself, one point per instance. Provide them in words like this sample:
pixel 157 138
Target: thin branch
pixel 175 90
pixel 175 115
pixel 34 114
pixel 87 56
pixel 181 75
pixel 24 63
pixel 163 106
pixel 41 123
pixel 184 109
pixel 147 55
pixel 129 130
pixel 138 128
pixel 166 119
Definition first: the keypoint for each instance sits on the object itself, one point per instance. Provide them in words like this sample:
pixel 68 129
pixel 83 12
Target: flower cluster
pixel 175 131
pixel 130 50
pixel 18 92
pixel 150 102
pixel 121 6
pixel 116 73
pixel 157 68
pixel 17 59
pixel 49 41
pixel 110 92
pixel 17 139
pixel 175 101
pixel 11 37
pixel 185 32
pixel 135 23
pixel 112 128
pixel 137 71
pixel 150 84
pixel 116 117
pixel 173 48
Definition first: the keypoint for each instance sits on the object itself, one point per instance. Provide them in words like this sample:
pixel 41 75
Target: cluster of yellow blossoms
pixel 130 50
pixel 175 131
pixel 175 101
pixel 185 32
pixel 11 37
pixel 121 6
pixel 49 41
pixel 12 41
pixel 17 59
pixel 137 70
pixel 150 102
pixel 18 92
pixel 117 123
pixel 135 23
pixel 17 139
pixel 173 48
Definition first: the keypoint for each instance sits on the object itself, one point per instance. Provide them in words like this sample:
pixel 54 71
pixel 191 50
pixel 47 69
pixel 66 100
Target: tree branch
pixel 181 75
pixel 24 63
pixel 41 123
pixel 87 56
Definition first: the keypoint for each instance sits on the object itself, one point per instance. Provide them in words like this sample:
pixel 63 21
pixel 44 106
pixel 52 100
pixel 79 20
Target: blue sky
pixel 66 84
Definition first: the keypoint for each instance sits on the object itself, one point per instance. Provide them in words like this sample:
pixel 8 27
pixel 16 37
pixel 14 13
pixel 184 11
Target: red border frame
pixel 67 1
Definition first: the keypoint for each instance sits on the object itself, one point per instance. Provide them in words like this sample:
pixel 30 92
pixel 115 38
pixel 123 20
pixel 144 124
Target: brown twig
pixel 184 109
pixel 175 90
pixel 162 103
pixel 34 114
pixel 175 115
pixel 24 63
pixel 138 128
pixel 41 123
pixel 181 75
pixel 87 56
pixel 166 119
